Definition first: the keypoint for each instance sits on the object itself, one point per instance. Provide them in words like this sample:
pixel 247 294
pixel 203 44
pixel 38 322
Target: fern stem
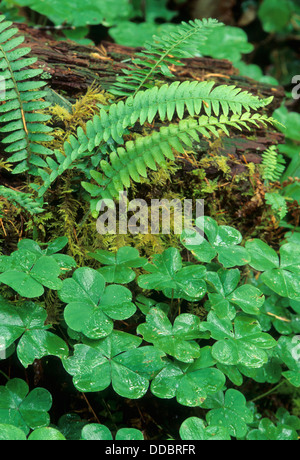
pixel 164 55
pixel 132 161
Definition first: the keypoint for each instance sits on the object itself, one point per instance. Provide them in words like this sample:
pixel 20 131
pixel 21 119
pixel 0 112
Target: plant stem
pixel 4 375
pixel 268 392
pixel 90 407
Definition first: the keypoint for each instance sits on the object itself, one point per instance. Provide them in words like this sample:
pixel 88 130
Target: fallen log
pixel 70 69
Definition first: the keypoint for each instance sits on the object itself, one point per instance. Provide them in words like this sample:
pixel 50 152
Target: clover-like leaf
pixel 283 276
pixel 92 306
pixel 81 15
pixel 28 322
pixel 295 305
pixel 114 360
pixel 285 418
pixel 222 241
pixel 37 343
pixel 194 429
pixel 189 383
pixel 11 433
pixel 119 266
pixel 232 372
pixel 52 248
pixel 145 304
pixel 70 426
pixel 269 372
pixel 248 298
pixel 245 343
pixel 64 261
pixel 22 409
pixel 97 432
pixel 288 350
pixel 275 313
pixel 283 282
pixel 263 257
pixel 201 249
pixel 267 431
pixel 176 281
pixel 275 17
pixel 225 295
pixel 232 413
pixel 227 43
pixel 222 307
pixel 46 434
pixel 129 434
pixel 28 274
pixel 30 268
pixel 177 340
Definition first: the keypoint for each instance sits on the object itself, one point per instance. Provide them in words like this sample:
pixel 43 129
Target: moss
pixel 204 172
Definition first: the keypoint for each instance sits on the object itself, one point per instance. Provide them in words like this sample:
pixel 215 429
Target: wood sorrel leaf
pixel 221 240
pixel 188 383
pixel 22 409
pixel 245 343
pixel 119 266
pixel 193 428
pixel 114 360
pixel 176 340
pixel 232 414
pixel 28 322
pixel 92 306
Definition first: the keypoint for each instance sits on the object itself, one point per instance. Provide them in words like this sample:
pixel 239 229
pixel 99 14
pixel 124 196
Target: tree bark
pixel 72 68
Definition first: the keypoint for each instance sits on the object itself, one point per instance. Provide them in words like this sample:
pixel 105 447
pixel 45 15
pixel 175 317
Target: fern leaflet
pixel 131 162
pixel 21 105
pixel 166 101
pixel 273 163
pixel 278 204
pixel 24 200
pixel 161 52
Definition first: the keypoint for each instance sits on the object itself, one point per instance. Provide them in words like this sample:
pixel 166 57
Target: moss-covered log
pixel 223 172
pixel 73 68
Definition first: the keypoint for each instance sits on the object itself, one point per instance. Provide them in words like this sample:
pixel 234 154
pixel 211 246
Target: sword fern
pixel 163 51
pixel 21 104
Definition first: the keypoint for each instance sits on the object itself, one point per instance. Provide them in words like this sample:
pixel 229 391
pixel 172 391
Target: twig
pixel 90 407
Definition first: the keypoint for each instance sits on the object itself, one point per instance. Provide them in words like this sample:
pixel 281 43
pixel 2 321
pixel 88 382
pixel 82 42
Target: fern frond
pixel 163 51
pixel 274 164
pixel 166 101
pixel 24 200
pixel 72 158
pixel 131 162
pixel 278 204
pixel 21 102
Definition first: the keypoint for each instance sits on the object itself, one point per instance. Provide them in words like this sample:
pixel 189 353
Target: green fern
pixel 21 104
pixel 24 200
pixel 131 162
pixel 273 163
pixel 72 158
pixel 278 204
pixel 108 128
pixel 166 101
pixel 163 51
